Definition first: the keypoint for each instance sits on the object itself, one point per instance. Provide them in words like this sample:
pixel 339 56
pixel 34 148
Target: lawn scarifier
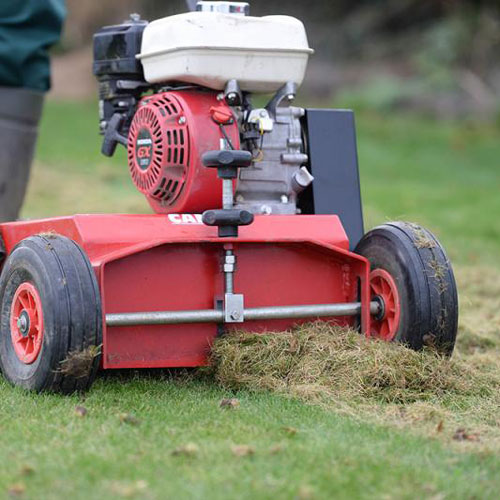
pixel 257 226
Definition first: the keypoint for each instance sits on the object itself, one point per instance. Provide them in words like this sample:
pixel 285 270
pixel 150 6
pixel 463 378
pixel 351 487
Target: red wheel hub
pixel 383 287
pixel 26 323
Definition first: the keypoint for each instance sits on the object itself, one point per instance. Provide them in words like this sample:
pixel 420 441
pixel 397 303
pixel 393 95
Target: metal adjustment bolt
pixel 233 302
pixel 229 263
pixel 182 120
pixel 232 98
pixel 233 94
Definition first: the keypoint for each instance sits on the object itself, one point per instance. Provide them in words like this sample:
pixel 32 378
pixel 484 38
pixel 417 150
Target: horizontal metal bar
pixel 307 311
pixel 252 313
pixel 165 317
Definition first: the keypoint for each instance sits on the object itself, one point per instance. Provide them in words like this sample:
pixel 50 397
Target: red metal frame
pixel 159 262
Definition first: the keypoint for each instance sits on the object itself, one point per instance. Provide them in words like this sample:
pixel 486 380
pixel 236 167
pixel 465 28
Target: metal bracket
pixel 234 309
pixel 261 118
pixel 283 98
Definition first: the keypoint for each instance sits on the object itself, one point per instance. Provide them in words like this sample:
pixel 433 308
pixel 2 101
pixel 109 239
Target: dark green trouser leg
pixel 28 28
pixel 20 111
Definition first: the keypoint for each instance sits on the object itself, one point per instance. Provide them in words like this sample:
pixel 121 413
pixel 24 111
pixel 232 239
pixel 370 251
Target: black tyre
pixel 410 269
pixel 50 316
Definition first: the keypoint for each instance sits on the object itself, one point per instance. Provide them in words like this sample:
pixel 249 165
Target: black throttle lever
pixel 112 135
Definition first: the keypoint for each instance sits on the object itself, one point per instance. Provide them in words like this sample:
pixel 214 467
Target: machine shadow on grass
pixel 167 375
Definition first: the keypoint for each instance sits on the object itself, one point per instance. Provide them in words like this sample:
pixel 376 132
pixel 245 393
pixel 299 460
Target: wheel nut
pixel 22 322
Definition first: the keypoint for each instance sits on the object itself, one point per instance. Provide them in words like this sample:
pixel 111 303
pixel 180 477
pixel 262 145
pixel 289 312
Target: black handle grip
pixel 231 217
pixel 227 220
pixel 227 158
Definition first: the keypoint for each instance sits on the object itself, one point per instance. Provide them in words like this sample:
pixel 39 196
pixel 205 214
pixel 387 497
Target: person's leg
pixel 28 28
pixel 20 111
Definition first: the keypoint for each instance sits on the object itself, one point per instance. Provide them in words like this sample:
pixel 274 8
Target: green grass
pixel 328 455
pixel 443 175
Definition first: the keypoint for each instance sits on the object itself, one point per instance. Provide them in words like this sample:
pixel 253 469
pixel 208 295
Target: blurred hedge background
pixel 437 57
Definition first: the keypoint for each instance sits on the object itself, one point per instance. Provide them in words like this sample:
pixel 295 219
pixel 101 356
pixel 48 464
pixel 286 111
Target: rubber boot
pixel 20 111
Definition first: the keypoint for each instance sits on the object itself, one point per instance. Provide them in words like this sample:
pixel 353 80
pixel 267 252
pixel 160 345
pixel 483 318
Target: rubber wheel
pixel 50 316
pixel 413 278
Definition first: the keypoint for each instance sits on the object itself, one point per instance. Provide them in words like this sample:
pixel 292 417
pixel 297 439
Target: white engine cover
pixel 205 48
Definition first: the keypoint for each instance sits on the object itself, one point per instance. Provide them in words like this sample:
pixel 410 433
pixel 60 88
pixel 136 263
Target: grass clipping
pixel 79 364
pixel 324 362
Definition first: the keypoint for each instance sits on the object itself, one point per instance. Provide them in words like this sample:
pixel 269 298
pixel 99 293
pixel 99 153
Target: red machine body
pixel 237 241
pixel 154 263
pixel 168 134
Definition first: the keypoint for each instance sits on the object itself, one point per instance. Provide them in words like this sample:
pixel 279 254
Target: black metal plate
pixel 333 161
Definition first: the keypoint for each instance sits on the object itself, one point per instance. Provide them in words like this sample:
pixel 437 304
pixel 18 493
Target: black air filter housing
pixel 120 76
pixel 115 48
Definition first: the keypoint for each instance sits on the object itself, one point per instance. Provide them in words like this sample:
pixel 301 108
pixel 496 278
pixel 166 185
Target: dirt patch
pixel 79 364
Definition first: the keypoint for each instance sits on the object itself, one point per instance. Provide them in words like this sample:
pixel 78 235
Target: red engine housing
pixel 169 133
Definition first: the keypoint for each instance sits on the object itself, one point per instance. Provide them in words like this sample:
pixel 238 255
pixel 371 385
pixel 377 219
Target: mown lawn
pixel 300 451
pixel 158 435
